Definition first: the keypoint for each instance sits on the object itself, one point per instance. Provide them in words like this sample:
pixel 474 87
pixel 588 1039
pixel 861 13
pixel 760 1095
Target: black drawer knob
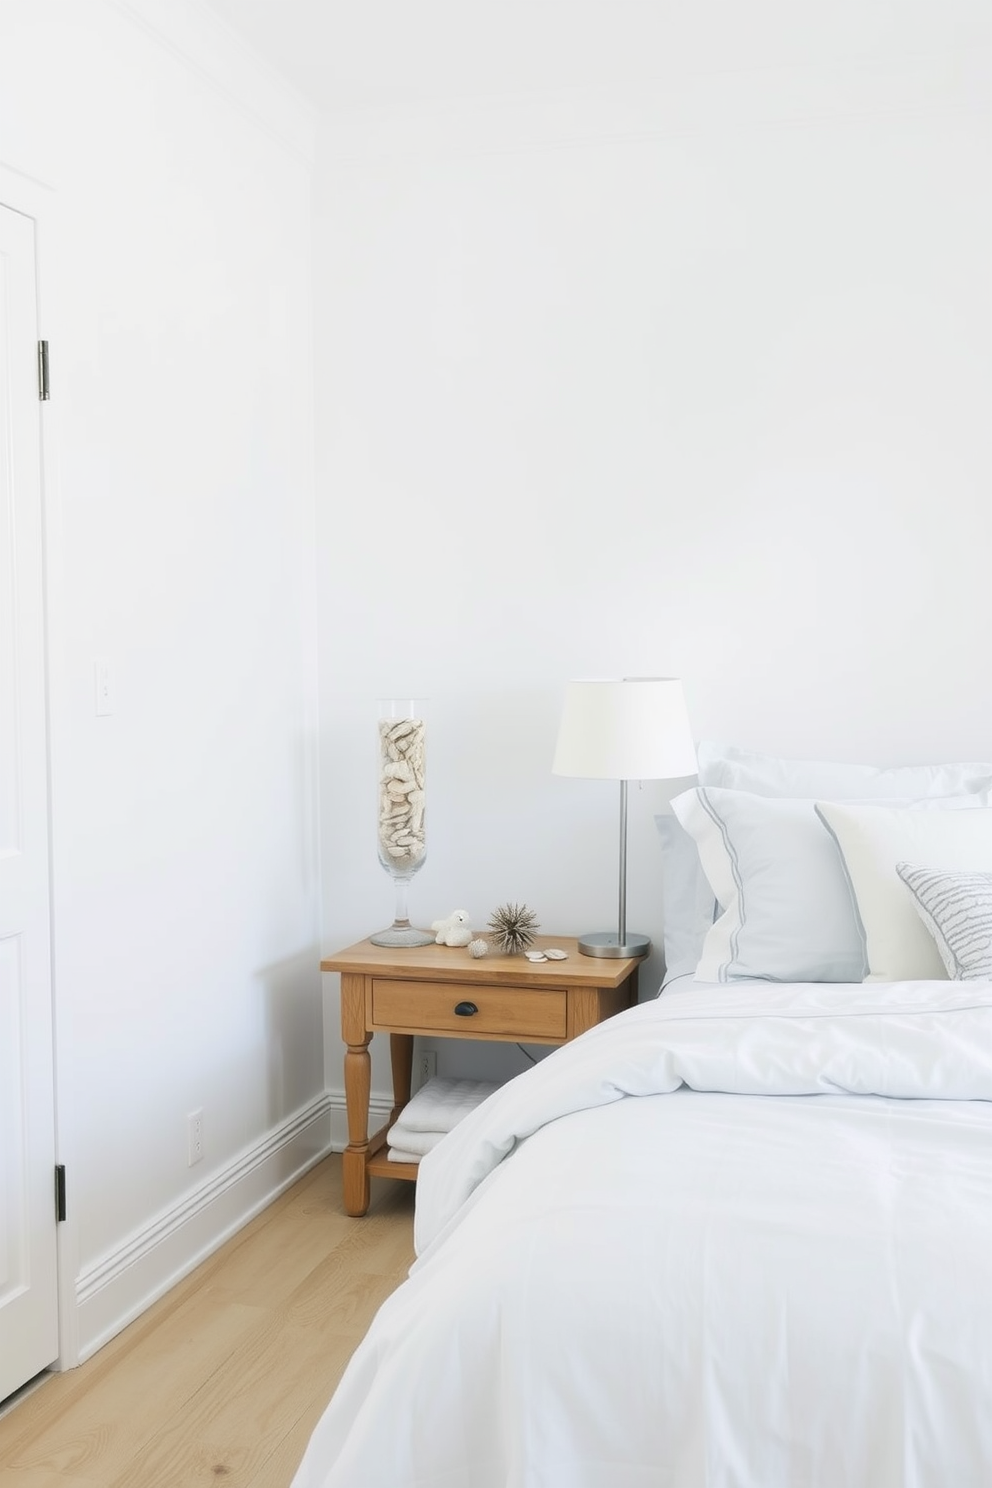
pixel 465 1009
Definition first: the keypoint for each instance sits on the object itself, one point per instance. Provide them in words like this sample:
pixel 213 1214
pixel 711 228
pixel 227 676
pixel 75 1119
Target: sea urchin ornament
pixel 513 927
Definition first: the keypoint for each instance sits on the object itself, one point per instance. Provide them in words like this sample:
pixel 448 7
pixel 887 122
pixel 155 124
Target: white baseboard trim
pixel 125 1282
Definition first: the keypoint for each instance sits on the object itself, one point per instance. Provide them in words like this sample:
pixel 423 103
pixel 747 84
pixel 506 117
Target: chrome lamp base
pixel 610 944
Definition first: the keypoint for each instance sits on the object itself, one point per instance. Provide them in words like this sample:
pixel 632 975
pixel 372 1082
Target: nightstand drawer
pixel 501 1012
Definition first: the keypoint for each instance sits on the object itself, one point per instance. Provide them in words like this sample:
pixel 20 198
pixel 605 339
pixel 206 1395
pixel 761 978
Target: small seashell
pixel 478 948
pixel 554 954
pixel 535 956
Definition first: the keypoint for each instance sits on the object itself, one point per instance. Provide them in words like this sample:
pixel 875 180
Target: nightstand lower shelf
pixel 379 1166
pixel 377 1163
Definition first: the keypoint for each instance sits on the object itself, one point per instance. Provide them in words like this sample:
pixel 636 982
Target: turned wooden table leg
pixel 357 1087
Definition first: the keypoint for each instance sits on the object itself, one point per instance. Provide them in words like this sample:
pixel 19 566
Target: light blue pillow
pixel 786 910
pixel 689 903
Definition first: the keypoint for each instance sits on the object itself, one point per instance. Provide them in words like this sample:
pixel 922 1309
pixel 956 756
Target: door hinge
pixel 44 387
pixel 60 1192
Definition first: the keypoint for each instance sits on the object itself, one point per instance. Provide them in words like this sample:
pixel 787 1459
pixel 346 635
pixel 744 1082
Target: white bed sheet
pixel 738 1237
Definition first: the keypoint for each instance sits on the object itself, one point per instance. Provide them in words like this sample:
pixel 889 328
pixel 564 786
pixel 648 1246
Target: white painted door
pixel 28 1278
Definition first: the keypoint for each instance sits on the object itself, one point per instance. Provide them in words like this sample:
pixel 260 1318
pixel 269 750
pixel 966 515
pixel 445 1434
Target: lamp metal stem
pixel 606 943
pixel 622 921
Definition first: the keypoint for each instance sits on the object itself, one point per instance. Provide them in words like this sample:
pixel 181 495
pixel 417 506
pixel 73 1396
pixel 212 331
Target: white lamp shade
pixel 634 729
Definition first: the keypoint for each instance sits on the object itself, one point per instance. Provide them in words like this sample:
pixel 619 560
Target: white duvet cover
pixel 738 1237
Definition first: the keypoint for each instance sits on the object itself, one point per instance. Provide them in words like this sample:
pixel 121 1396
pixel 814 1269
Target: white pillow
pixel 872 840
pixel 956 908
pixel 787 914
pixel 733 768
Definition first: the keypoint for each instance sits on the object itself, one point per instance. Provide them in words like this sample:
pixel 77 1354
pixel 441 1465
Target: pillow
pixel 732 768
pixel 871 841
pixel 787 912
pixel 956 908
pixel 689 905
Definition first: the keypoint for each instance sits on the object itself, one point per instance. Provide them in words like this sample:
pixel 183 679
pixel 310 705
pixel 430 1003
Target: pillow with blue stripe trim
pixel 786 911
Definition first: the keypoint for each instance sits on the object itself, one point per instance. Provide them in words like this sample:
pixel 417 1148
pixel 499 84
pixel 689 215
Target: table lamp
pixel 634 728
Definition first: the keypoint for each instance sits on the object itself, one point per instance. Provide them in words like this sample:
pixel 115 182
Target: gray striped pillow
pixel 957 910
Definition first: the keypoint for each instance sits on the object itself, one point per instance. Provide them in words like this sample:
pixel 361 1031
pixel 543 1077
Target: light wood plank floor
pixel 223 1380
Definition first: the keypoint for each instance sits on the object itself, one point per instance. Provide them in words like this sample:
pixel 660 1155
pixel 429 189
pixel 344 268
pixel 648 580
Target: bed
pixel 739 1236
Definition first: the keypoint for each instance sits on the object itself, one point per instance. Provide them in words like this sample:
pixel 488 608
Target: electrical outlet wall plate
pixel 194 1131
pixel 426 1066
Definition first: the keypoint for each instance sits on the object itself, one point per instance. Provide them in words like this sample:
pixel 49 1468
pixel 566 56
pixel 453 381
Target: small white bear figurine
pixel 454 930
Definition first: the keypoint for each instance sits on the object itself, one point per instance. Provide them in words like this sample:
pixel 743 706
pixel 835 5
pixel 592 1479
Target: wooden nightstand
pixel 443 992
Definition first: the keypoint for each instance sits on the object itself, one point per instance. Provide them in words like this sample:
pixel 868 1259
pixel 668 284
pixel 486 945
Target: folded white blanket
pixel 435 1110
pixel 414 1142
pixel 441 1103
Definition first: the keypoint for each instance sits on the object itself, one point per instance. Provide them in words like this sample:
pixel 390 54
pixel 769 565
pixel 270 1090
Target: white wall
pixel 687 380
pixel 175 242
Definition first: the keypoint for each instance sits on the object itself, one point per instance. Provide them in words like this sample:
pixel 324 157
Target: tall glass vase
pixel 402 833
